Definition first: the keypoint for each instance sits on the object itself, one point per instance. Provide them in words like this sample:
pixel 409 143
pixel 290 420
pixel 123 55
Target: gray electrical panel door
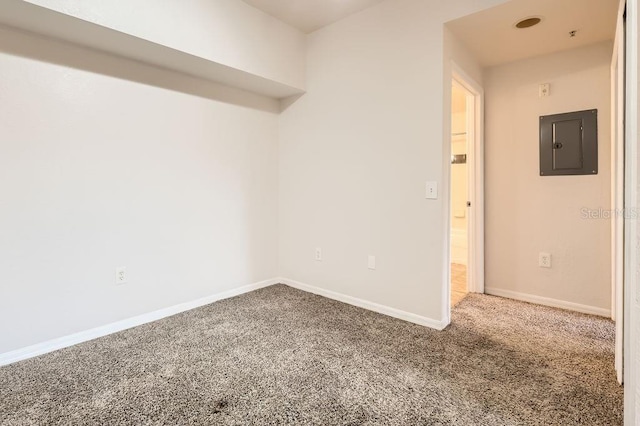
pixel 569 143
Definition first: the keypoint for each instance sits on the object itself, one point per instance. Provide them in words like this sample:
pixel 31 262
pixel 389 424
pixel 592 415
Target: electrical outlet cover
pixel 121 275
pixel 544 260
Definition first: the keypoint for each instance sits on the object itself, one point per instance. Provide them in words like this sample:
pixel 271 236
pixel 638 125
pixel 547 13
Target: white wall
pixel 526 213
pixel 226 31
pixel 98 172
pixel 458 53
pixel 356 150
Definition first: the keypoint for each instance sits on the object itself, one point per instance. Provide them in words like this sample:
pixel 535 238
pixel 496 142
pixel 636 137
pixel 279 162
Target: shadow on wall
pixel 285 103
pixel 37 47
pixel 98 173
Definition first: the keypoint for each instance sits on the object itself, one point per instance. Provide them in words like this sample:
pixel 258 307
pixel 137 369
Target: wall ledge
pixel 25 16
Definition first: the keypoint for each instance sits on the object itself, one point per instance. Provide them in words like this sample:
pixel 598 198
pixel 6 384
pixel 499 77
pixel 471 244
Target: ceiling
pixel 310 15
pixel 490 35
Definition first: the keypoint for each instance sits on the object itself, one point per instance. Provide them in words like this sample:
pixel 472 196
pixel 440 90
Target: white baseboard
pixel 94 333
pixel 554 303
pixel 392 312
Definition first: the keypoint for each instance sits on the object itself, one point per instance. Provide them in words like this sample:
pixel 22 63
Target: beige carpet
pixel 281 356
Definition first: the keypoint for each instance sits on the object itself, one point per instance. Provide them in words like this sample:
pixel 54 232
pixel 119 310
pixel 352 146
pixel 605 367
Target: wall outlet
pixel 371 262
pixel 432 190
pixel 544 260
pixel 121 275
pixel 318 254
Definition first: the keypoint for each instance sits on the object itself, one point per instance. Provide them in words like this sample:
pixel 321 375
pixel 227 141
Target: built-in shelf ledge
pixel 40 20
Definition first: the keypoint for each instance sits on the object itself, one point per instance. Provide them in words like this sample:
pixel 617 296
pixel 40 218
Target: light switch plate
pixel 432 190
pixel 544 90
pixel 371 262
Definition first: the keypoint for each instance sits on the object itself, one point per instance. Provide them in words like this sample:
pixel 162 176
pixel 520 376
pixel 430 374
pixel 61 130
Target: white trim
pixel 365 304
pixel 617 189
pixel 631 308
pixel 546 301
pixel 445 295
pixel 94 333
pixel 475 167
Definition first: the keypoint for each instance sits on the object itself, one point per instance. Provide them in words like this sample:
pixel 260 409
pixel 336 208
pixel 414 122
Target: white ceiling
pixel 490 35
pixel 310 15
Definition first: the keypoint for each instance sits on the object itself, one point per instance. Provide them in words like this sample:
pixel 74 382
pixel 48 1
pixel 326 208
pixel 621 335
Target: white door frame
pixel 617 188
pixel 475 173
pixel 631 267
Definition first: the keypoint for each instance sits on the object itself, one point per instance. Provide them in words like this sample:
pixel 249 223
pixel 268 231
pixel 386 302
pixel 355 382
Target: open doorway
pixel 554 240
pixel 553 64
pixel 459 193
pixel 466 188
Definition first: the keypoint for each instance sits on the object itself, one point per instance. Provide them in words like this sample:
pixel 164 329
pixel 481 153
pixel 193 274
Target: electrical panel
pixel 569 143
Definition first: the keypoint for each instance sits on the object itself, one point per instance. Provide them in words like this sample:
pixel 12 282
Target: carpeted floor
pixel 283 356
